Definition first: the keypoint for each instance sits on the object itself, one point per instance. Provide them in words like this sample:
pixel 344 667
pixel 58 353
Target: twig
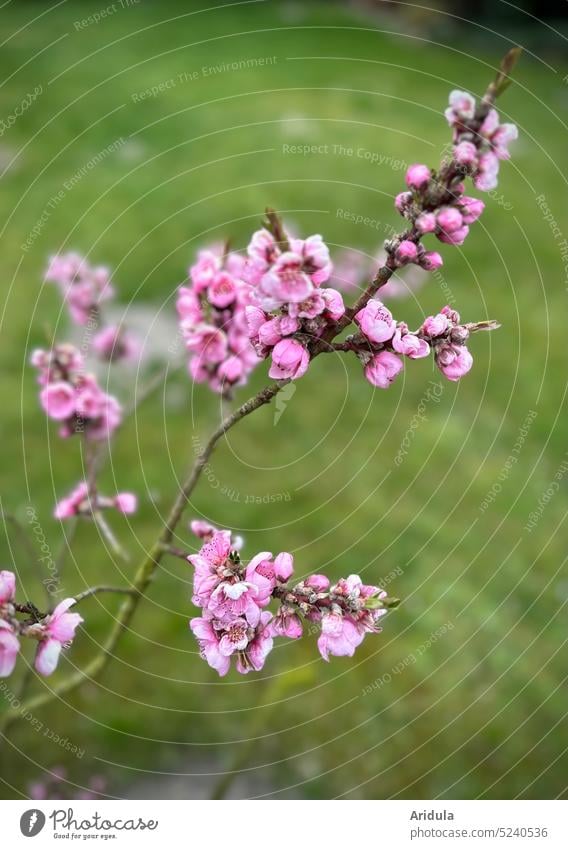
pixel 108 534
pixel 104 589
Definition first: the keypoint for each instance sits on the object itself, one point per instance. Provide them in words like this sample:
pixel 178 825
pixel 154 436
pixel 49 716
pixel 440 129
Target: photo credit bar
pixel 397 824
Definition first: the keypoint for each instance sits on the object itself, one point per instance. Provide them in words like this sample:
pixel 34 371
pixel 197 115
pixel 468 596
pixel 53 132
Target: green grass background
pixel 480 712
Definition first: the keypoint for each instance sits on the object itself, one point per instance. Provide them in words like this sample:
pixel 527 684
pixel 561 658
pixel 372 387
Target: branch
pixel 104 589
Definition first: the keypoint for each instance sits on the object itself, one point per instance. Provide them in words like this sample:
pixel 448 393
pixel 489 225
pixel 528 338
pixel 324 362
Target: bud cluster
pixel 234 597
pixel 52 631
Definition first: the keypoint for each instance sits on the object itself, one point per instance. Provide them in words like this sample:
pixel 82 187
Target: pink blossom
pixel 204 270
pixel 412 346
pixel 339 636
pixel 313 306
pixel 426 222
pixel 58 631
pixel 431 261
pixel 9 648
pixel 465 153
pixel 216 550
pixel 208 341
pixel 202 529
pixel 449 219
pixel 289 325
pixel 231 370
pixel 486 176
pixel 209 639
pixel 222 291
pixel 270 333
pixel 82 286
pixel 461 108
pixel 376 321
pixel 471 209
pixel 456 237
pixel 286 282
pixel 262 250
pixel 283 566
pixel 260 645
pixel 418 176
pixel 334 306
pixel 406 252
pixel 126 502
pixel 435 325
pixel 7 586
pixel 235 637
pixel 76 502
pixel 286 623
pixel 290 360
pixel 230 600
pixel 108 419
pixel 255 318
pixel 403 200
pixel 58 400
pixel 382 369
pixel 188 306
pixel 502 137
pixel 261 573
pixel 319 583
pixel 454 361
pixel 315 255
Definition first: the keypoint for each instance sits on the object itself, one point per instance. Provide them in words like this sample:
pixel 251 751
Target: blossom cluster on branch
pixel 234 597
pixel 235 311
pixel 52 632
pixel 72 396
pixel 84 289
pixel 213 323
pixel 279 287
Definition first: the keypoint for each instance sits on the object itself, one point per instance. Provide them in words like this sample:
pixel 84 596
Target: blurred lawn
pixel 482 711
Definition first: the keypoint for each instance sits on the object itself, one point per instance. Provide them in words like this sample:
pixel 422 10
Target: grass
pixel 478 711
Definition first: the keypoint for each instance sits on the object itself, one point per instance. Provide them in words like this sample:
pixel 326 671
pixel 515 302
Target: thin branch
pixel 104 589
pixel 108 534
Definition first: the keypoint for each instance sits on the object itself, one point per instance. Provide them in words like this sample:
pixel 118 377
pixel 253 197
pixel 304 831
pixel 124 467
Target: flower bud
pixel 426 222
pixel 418 176
pixel 406 252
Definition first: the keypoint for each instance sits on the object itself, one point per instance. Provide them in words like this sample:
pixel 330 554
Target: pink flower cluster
pixel 84 289
pixel 72 397
pixel 478 147
pixel 235 622
pixel 290 306
pixel 53 632
pixel 80 502
pixel 384 341
pixel 213 322
pixel 448 337
pixel 82 286
pixel 448 219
